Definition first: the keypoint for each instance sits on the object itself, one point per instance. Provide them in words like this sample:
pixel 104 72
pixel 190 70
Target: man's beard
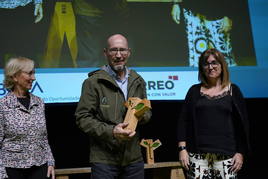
pixel 119 68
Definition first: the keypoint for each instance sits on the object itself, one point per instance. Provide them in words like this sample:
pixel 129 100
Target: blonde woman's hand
pixel 51 172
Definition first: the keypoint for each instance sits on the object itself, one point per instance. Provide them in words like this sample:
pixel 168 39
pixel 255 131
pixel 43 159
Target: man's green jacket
pixel 100 109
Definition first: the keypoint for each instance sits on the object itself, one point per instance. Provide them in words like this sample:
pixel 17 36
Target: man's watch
pixel 181 148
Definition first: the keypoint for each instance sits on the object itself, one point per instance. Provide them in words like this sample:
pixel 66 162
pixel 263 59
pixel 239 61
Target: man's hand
pixel 121 133
pixel 38 12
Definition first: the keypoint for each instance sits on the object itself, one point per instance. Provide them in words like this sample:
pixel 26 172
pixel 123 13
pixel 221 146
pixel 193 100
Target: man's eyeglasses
pixel 213 64
pixel 122 51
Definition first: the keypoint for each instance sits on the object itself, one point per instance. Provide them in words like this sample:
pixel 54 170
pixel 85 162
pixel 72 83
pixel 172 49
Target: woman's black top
pixel 188 129
pixel 215 124
pixel 25 101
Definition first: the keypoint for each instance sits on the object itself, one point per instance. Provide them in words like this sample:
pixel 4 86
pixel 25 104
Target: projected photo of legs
pixel 61 29
pixel 162 33
pixel 77 29
pixel 95 21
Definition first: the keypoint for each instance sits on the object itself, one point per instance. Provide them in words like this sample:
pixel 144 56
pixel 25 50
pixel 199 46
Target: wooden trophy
pixel 136 108
pixel 150 147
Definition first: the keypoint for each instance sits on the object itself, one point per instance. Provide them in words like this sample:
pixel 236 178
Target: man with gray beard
pixel 114 150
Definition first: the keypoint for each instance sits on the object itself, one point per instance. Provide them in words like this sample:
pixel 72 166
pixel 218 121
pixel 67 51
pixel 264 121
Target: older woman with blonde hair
pixel 24 149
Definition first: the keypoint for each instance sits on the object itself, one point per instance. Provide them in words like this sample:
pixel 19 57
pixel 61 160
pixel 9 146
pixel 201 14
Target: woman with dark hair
pixel 213 134
pixel 24 149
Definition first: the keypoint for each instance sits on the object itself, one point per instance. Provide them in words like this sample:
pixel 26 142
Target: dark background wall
pixel 70 145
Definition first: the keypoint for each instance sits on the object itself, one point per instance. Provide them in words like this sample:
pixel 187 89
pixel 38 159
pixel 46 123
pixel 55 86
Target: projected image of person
pixel 95 20
pixel 213 131
pixel 24 149
pixel 12 4
pixel 18 19
pixel 208 26
pixel 82 24
pixel 62 30
pixel 114 150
